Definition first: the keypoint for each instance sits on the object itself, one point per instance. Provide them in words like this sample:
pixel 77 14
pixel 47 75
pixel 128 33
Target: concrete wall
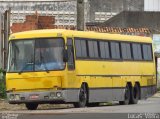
pixel 135 19
pixel 114 6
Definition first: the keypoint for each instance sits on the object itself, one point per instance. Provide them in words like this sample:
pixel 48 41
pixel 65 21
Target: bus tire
pixel 31 106
pixel 135 93
pixel 83 96
pixel 126 96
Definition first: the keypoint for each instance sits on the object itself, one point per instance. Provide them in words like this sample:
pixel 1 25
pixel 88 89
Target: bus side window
pixel 71 64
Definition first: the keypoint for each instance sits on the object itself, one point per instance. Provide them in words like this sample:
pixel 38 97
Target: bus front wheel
pixel 82 97
pixel 126 96
pixel 31 106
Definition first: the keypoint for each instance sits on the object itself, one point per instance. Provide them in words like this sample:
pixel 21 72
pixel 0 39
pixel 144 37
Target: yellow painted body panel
pixel 117 71
pixel 34 80
pixel 95 73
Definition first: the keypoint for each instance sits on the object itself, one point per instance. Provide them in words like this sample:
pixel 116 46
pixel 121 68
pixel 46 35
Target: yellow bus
pixel 79 67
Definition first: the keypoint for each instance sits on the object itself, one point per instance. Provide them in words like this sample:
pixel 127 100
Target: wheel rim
pixel 127 93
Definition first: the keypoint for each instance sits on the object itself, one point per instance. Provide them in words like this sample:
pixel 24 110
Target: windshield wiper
pixel 29 63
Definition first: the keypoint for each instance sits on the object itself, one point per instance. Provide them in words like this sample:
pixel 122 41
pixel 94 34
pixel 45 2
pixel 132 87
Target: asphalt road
pixel 145 109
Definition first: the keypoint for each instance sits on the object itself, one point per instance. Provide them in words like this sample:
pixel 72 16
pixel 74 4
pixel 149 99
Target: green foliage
pixel 2 84
pixel 158 89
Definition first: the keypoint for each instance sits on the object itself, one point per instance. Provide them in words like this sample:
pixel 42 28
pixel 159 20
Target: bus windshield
pixel 36 55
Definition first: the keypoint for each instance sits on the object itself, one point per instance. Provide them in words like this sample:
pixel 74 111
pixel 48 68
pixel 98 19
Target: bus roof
pixel 71 33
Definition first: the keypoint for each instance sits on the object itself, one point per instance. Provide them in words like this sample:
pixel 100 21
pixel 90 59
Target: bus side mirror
pixel 65 55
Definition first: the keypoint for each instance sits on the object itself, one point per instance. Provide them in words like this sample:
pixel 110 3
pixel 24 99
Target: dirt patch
pixel 5 106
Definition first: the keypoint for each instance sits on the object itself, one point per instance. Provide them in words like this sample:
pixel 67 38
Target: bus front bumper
pixel 38 97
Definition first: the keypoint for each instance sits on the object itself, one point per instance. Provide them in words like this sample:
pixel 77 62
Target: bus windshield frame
pixel 36 55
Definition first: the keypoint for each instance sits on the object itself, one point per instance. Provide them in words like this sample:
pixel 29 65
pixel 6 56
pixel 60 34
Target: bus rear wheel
pixel 31 106
pixel 82 97
pixel 135 93
pixel 126 96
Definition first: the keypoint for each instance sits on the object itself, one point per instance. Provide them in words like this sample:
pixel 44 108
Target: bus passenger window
pixel 93 49
pixel 126 51
pixel 137 53
pixel 81 48
pixel 147 52
pixel 115 50
pixel 104 50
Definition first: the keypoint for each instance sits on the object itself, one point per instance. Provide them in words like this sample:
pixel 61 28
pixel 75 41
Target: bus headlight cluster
pixel 14 97
pixel 55 94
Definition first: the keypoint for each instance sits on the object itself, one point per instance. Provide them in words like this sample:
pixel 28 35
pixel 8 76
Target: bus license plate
pixel 33 97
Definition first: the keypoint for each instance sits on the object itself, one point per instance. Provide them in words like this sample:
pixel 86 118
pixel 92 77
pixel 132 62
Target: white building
pixel 151 5
pixel 63 10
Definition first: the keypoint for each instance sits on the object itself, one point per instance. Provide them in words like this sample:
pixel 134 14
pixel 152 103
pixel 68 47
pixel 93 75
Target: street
pixel 149 107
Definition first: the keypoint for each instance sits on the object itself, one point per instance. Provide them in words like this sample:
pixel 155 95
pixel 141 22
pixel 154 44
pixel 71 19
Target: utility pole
pixel 5 36
pixel 80 15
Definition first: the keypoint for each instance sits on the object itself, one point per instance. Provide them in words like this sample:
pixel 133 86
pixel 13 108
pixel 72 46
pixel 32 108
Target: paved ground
pixel 71 116
pixel 149 107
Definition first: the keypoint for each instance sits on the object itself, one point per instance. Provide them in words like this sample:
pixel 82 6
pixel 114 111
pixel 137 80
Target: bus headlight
pixel 11 97
pixel 52 94
pixel 59 94
pixel 17 97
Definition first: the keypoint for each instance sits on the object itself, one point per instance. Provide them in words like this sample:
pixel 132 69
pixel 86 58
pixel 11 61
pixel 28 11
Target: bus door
pixel 71 63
